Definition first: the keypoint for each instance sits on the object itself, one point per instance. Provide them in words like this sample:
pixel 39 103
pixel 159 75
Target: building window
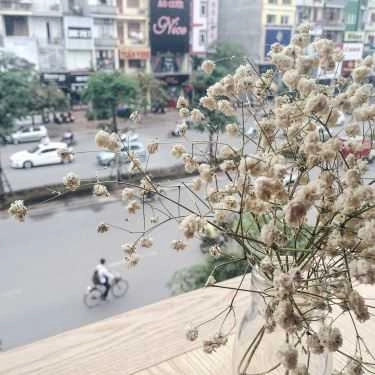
pixel 284 20
pixel 202 37
pixel 104 27
pixel 272 1
pixel 132 3
pixel 287 2
pixel 136 64
pixel 203 9
pixel 79 32
pixel 120 32
pixel 271 18
pixel 16 26
pixel 120 6
pixel 372 17
pixel 135 34
pixel 371 39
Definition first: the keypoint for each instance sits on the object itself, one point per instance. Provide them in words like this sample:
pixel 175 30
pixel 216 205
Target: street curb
pixel 58 191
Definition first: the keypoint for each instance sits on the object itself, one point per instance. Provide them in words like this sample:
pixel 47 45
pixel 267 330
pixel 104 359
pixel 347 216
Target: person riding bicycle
pixel 103 277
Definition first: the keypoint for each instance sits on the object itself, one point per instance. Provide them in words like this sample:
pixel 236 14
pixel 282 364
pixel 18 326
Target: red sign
pixel 135 54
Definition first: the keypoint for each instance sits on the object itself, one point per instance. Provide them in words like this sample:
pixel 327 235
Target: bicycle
pixel 94 293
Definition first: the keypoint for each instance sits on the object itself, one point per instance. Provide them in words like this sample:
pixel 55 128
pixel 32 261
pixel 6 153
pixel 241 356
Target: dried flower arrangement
pixel 309 197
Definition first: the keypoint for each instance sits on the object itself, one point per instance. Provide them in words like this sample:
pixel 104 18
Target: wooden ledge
pixel 129 343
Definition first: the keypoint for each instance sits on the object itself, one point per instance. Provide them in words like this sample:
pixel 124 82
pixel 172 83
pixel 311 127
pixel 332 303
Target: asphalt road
pixel 84 165
pixel 47 263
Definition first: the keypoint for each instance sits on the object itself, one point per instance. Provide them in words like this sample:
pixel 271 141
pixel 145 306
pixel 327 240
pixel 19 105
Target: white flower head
pixel 208 66
pixel 18 210
pixel 71 181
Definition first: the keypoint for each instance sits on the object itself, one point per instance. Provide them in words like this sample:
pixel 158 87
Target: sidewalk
pixel 156 124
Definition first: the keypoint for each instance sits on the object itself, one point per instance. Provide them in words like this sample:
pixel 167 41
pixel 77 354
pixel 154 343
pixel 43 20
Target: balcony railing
pixel 105 41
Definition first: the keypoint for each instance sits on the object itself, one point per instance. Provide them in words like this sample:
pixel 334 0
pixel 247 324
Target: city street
pixel 47 263
pixel 85 164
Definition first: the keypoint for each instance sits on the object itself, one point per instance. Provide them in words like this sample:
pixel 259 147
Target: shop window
pixel 136 64
pixel 16 26
pixel 132 3
pixel 272 1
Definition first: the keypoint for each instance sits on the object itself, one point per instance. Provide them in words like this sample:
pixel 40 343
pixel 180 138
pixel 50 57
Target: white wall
pixel 78 60
pixel 38 29
pixel 78 44
pixel 23 47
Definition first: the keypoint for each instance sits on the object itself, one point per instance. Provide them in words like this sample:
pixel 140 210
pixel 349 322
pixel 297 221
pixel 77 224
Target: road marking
pixel 11 293
pixel 121 262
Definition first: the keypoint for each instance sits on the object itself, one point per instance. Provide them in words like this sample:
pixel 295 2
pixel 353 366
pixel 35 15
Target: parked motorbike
pixel 174 133
pixel 63 118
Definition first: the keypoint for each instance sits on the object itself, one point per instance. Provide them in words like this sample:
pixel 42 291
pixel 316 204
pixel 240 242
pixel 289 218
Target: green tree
pixel 227 56
pixel 14 98
pixel 45 98
pixel 152 90
pixel 195 277
pixel 106 91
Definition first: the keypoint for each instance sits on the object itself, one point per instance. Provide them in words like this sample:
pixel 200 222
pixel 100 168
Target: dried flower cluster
pixel 301 185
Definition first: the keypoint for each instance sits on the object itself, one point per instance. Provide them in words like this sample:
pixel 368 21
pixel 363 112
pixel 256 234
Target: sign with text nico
pixel 169 29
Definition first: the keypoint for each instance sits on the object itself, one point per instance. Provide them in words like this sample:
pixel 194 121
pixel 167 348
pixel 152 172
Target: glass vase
pixel 264 360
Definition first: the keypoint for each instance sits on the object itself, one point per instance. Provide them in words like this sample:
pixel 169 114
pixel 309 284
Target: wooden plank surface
pixel 150 341
pixel 123 344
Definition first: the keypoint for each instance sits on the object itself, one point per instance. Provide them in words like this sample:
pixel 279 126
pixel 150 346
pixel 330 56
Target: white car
pixel 29 134
pixel 43 154
pixel 129 137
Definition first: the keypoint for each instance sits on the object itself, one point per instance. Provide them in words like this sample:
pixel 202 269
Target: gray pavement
pixel 47 263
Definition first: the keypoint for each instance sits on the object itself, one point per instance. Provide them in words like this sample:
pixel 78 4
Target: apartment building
pixel 33 30
pixel 104 14
pixel 204 26
pixel 278 17
pixel 326 16
pixel 369 28
pixel 133 35
pixel 240 22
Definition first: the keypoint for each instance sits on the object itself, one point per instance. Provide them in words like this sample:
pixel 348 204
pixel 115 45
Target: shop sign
pixel 134 54
pixel 352 51
pixel 170 24
pixel 353 36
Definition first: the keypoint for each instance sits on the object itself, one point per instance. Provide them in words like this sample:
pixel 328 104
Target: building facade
pixel 133 35
pixel 278 17
pixel 204 26
pixel 240 22
pixel 33 30
pixel 327 17
pixel 369 28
